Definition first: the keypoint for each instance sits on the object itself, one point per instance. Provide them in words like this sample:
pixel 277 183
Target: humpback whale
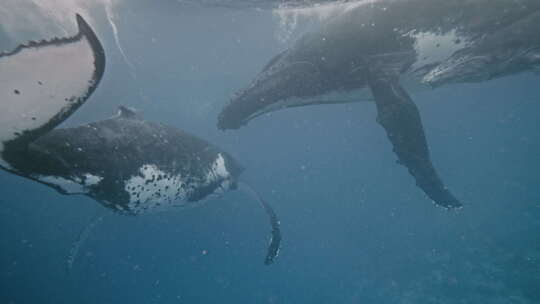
pixel 127 164
pixel 381 50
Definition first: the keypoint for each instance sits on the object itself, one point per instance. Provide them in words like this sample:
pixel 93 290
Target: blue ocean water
pixel 355 227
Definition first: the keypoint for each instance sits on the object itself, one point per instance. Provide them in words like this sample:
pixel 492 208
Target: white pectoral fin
pixel 43 83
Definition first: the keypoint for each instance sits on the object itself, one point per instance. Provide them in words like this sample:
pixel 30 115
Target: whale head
pixel 280 81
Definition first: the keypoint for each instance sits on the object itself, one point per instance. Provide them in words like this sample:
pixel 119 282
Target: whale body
pixel 380 50
pixel 127 164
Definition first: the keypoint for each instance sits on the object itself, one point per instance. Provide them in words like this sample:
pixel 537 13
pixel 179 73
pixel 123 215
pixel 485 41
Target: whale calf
pixel 380 50
pixel 127 164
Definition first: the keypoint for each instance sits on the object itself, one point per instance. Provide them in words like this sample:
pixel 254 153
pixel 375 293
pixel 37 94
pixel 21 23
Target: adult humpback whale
pixel 380 49
pixel 127 164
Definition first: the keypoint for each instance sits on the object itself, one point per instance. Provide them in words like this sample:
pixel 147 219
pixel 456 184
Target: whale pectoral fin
pixel 43 83
pixel 275 241
pixel 400 118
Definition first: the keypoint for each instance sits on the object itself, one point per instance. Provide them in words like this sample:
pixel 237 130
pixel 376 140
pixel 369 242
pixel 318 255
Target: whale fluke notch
pixel 399 116
pixel 42 84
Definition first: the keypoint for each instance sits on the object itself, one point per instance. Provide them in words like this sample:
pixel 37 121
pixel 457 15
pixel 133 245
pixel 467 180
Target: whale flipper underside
pixel 400 118
pixel 43 83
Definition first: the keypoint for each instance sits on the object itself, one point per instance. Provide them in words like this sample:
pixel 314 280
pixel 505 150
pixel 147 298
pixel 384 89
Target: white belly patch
pixel 154 189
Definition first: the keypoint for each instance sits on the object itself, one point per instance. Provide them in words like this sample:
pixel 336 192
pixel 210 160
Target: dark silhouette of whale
pixel 379 50
pixel 127 164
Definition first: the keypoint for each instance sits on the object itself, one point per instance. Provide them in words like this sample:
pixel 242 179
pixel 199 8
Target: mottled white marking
pixel 154 189
pixel 435 48
pixel 69 186
pixel 218 170
pixel 72 184
pixel 38 83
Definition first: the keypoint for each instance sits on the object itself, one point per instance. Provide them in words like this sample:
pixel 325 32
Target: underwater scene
pixel 270 151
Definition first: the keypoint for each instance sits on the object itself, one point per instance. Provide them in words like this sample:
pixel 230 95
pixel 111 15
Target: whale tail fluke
pixel 400 118
pixel 275 240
